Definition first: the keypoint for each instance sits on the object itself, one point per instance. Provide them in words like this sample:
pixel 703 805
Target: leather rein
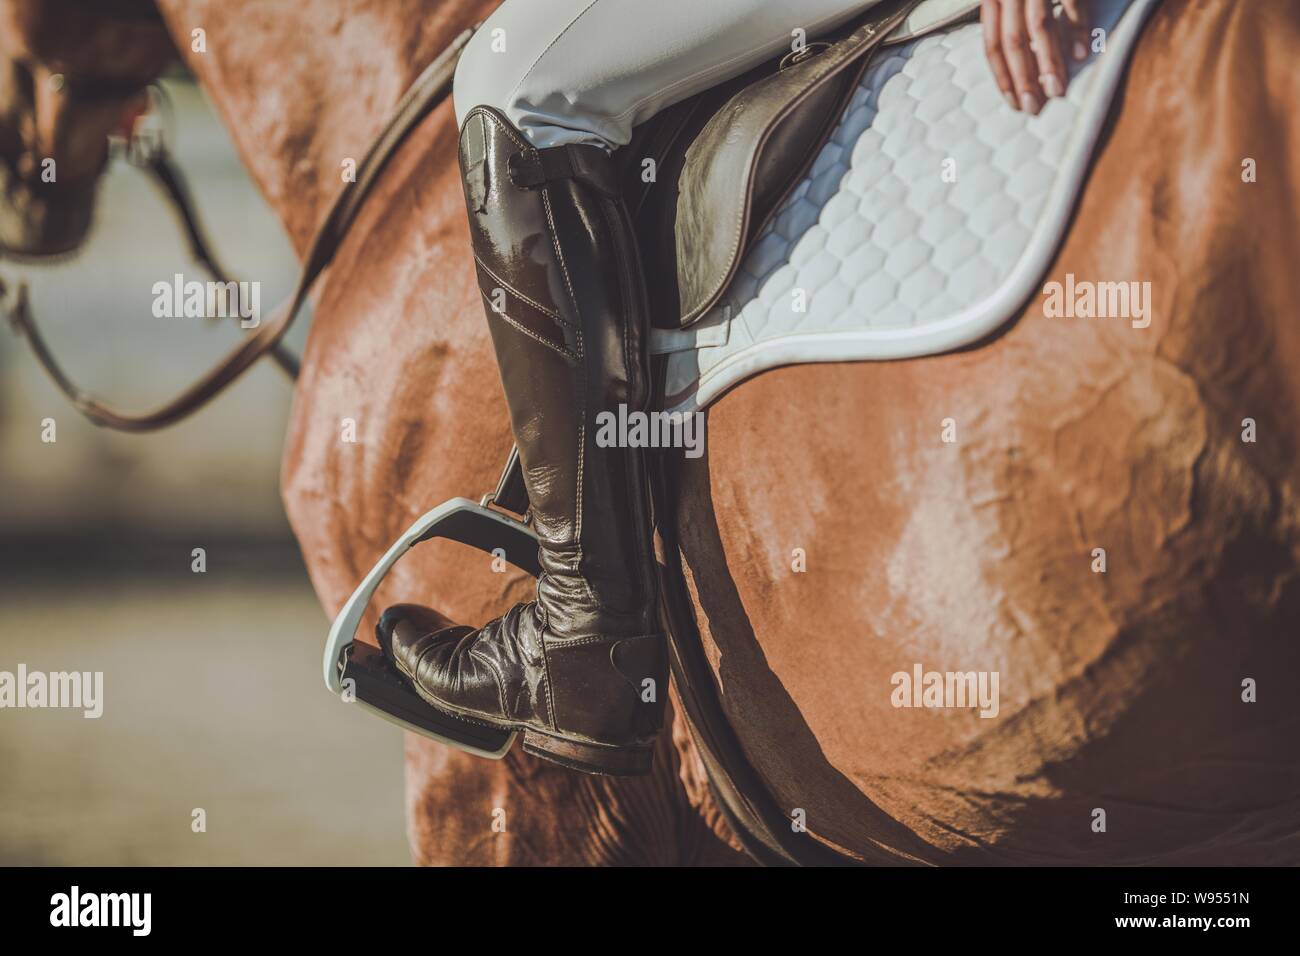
pixel 428 90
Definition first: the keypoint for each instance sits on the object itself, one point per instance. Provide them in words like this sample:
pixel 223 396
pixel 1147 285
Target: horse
pixel 1125 734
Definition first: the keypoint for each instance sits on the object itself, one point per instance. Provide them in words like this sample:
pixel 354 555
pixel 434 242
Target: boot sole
pixel 590 758
pixel 610 761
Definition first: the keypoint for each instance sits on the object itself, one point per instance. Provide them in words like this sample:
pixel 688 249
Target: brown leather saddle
pixel 721 163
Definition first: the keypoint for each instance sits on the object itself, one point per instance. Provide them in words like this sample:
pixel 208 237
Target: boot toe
pixel 432 653
pixel 404 626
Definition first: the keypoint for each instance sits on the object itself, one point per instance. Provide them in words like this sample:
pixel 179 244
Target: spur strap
pixel 430 88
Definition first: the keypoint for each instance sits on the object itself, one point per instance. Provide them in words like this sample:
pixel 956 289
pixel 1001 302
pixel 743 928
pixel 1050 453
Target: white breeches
pixel 588 71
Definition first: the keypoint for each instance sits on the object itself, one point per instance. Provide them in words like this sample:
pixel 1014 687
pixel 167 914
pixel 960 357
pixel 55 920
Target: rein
pixel 428 90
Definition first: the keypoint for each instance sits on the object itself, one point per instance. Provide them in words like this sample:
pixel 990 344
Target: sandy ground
pixel 213 699
pixel 213 693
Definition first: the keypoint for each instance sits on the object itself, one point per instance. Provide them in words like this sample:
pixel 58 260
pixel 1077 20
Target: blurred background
pixel 212 691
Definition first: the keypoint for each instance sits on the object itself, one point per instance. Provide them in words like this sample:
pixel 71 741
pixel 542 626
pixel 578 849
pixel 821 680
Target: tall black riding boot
pixel 582 671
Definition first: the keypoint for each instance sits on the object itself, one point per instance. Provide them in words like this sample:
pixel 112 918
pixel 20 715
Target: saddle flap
pixel 754 148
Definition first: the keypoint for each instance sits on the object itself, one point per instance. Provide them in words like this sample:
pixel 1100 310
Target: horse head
pixel 73 74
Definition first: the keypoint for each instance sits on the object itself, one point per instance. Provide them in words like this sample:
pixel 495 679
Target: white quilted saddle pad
pixel 877 254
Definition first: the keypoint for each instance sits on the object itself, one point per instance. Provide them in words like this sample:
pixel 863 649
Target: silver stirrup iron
pixel 370 679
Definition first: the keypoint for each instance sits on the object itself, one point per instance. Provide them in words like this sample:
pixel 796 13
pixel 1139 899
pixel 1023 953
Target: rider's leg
pixel 582 670
pixel 588 71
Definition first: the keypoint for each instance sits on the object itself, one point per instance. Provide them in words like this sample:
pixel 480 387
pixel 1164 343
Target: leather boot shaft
pixel 583 670
pixel 560 274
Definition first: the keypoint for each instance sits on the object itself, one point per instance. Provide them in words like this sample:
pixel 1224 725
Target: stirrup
pixel 375 683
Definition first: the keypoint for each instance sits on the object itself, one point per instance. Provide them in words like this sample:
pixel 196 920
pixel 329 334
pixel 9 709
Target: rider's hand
pixel 1027 47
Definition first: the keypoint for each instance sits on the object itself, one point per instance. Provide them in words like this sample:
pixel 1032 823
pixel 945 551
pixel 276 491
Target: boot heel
pixel 590 758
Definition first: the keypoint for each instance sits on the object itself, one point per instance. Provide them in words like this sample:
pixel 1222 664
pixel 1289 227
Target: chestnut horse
pixel 1115 531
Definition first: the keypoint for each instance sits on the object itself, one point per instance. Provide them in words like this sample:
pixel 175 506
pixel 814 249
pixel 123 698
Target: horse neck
pixel 302 88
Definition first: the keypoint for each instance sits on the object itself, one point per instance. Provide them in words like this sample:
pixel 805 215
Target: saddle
pixel 723 161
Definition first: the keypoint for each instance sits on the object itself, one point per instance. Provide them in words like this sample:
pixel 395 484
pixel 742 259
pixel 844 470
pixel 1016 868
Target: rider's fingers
pixel 1019 57
pixel 1043 40
pixel 991 22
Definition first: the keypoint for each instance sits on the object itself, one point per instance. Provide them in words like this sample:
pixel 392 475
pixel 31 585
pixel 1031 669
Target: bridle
pixel 151 154
pixel 429 89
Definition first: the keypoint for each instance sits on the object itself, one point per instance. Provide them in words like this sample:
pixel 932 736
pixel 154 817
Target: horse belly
pixel 1074 521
